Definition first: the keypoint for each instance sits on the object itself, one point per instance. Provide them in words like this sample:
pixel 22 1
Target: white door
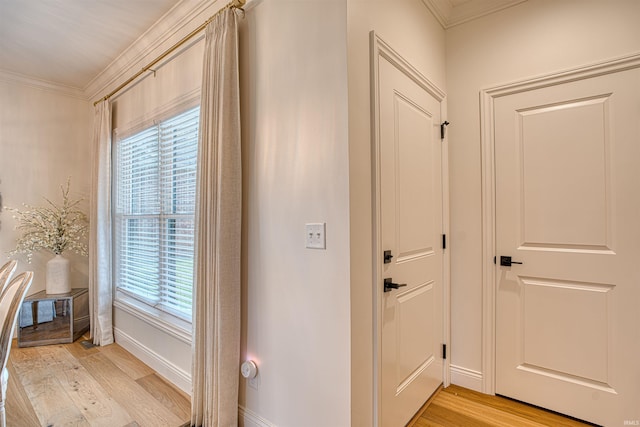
pixel 568 208
pixel 410 228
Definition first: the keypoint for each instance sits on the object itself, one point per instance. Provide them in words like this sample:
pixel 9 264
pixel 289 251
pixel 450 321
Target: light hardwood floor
pixel 457 406
pixel 68 385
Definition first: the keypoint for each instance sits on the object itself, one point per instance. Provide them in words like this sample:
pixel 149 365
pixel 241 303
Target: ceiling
pixel 69 42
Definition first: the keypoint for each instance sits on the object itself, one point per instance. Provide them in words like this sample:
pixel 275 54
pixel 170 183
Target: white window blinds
pixel 154 204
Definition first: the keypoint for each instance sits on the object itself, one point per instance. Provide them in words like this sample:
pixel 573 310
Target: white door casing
pixel 409 220
pixel 566 205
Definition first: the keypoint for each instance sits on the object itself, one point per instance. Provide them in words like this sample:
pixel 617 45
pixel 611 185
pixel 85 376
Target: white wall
pixel 533 38
pixel 295 158
pixel 409 27
pixel 45 136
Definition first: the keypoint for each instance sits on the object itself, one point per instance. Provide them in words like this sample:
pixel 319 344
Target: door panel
pixel 410 227
pixel 567 207
pixel 579 337
pixel 561 211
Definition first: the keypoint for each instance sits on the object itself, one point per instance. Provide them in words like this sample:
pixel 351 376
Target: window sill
pixel 177 328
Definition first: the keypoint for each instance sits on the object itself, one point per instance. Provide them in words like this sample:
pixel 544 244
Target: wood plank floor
pixel 68 385
pixel 457 406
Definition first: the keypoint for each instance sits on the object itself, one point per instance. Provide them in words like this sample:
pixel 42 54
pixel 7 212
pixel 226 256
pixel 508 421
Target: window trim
pixel 177 106
pixel 174 325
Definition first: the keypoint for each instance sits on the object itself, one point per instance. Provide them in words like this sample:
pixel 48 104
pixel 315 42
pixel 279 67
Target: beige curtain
pixel 100 290
pixel 216 303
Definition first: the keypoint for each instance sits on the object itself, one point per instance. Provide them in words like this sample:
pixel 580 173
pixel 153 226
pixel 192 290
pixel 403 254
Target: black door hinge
pixel 443 126
pixel 444 241
pixel 444 351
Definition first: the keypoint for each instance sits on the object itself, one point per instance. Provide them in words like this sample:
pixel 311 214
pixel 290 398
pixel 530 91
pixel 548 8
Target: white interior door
pixel 409 191
pixel 567 164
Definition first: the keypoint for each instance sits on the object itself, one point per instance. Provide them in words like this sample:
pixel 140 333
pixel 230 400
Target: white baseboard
pixel 248 418
pixel 162 366
pixel 466 378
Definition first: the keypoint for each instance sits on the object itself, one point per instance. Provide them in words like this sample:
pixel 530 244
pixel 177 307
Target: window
pixel 154 205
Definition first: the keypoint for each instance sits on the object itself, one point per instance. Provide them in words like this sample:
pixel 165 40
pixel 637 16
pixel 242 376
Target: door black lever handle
pixel 506 261
pixel 389 285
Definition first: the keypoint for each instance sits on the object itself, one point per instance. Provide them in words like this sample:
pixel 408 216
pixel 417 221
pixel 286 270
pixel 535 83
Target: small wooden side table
pixel 53 318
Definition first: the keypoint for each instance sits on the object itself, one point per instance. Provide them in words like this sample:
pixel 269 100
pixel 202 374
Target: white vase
pixel 57 281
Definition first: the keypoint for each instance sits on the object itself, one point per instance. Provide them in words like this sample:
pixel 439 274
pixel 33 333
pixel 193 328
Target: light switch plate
pixel 315 235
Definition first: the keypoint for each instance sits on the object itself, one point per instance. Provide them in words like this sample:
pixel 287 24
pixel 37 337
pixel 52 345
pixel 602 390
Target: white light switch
pixel 315 236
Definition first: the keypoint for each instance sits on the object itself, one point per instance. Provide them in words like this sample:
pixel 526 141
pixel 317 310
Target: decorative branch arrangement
pixel 53 227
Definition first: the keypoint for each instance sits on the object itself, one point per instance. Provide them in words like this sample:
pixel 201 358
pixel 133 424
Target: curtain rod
pixel 235 4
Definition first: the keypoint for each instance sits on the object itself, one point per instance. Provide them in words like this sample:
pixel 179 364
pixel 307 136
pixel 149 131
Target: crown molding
pixel 449 15
pixel 169 29
pixel 441 10
pixel 24 80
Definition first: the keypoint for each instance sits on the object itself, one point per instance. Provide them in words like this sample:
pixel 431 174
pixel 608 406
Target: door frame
pixel 380 49
pixel 489 229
